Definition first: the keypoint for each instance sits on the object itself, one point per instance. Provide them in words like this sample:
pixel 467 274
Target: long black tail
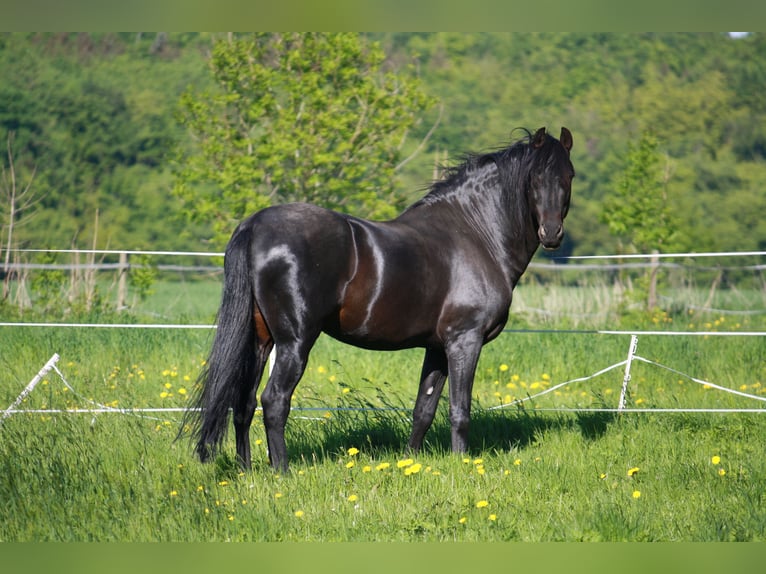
pixel 232 359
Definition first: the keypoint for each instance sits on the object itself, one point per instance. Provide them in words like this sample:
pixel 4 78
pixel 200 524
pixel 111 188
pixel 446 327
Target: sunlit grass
pixel 530 473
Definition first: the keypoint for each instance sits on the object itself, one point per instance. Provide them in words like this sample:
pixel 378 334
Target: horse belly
pixel 384 316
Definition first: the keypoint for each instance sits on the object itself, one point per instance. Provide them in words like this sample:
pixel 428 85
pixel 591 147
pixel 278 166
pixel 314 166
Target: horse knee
pixel 460 420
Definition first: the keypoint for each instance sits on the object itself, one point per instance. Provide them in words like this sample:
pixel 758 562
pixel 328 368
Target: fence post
pixel 122 282
pixel 626 378
pixel 655 267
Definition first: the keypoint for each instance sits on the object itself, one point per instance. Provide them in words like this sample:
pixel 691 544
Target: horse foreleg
pixel 462 357
pixel 432 379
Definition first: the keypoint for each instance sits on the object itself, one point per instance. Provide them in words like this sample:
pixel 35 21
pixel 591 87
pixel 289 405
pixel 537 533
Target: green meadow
pixel 548 461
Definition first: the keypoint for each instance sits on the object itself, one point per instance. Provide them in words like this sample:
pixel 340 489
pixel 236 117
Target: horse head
pixel 550 185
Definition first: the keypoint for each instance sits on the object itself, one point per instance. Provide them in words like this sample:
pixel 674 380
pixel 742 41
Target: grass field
pixel 532 474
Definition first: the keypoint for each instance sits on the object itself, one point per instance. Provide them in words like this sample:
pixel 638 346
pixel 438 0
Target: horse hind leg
pixel 244 409
pixel 288 369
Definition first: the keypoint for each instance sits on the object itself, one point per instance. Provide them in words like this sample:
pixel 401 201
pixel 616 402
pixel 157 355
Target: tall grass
pixel 531 473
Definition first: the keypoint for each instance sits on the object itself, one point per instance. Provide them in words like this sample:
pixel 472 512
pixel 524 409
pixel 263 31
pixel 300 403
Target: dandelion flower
pixel 504 367
pixel 404 463
pixel 636 494
pixel 492 517
pixel 633 471
pixel 278 495
pixel 366 468
pixel 353 498
pixel 298 514
pixel 462 520
pixel 721 472
pixel 223 483
pixel 352 451
pixel 517 462
pixel 715 459
pixel 383 466
pixel 482 504
pixel 413 469
pixel 173 493
pixel 350 464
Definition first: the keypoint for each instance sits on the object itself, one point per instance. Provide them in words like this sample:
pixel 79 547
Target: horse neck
pixel 480 204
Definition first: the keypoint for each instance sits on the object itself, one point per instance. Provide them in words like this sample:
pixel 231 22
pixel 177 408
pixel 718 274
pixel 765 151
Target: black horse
pixel 439 276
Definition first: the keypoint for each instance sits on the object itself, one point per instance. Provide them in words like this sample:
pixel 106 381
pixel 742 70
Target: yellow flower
pixel 346 390
pixel 503 367
pixel 517 462
pixel 462 520
pixel 350 464
pixel 173 493
pixel 353 451
pixel 404 463
pixel 321 369
pixel 298 513
pixel 493 517
pixel 223 483
pixel 633 471
pixel 383 466
pixel 546 377
pixel 482 504
pixel 353 498
pixel 721 472
pixel 636 494
pixel 366 468
pixel 478 461
pixel 277 495
pixel 182 391
pixel 413 469
pixel 715 459
pixel 480 470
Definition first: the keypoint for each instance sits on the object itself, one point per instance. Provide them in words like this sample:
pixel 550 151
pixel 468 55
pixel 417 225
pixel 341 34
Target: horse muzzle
pixel 550 235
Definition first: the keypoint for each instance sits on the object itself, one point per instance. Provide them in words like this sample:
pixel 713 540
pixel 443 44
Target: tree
pixel 16 201
pixel 639 211
pixel 309 117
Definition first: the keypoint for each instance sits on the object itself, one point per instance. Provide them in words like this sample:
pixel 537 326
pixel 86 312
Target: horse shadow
pixel 383 432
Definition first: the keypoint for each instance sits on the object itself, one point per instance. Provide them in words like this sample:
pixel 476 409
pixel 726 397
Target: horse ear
pixel 566 138
pixel 539 138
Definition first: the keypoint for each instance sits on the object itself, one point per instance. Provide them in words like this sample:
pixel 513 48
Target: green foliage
pixel 639 210
pixel 96 117
pixel 142 275
pixel 295 117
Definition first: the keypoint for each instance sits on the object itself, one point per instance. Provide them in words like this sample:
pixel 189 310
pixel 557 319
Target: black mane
pixel 513 163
